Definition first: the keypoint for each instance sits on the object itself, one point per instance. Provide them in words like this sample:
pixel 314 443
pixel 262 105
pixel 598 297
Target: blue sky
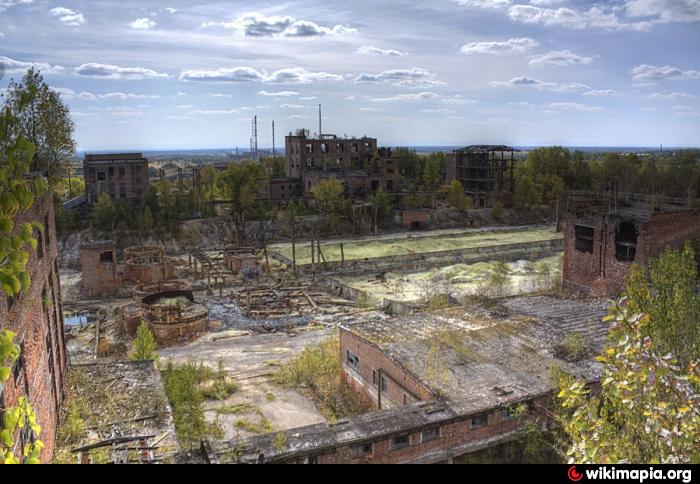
pixel 188 74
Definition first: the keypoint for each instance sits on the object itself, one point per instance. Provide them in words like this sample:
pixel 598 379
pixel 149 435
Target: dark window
pixel 353 360
pixel 584 238
pixel 111 171
pixel 101 176
pixel 390 184
pixel 375 381
pixel 479 421
pixel 122 171
pixel 361 450
pixel 626 237
pixel 324 147
pixel 428 435
pixel 107 257
pixel 400 442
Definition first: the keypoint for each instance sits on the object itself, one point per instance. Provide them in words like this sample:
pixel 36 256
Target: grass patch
pixel 270 397
pixel 242 409
pixel 262 427
pixel 318 369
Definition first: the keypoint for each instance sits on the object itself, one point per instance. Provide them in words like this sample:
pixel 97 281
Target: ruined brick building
pixel 487 173
pixel 121 176
pixel 37 318
pixel 604 237
pixel 444 385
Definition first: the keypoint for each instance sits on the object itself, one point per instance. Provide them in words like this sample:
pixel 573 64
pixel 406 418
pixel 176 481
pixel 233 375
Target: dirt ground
pixel 251 360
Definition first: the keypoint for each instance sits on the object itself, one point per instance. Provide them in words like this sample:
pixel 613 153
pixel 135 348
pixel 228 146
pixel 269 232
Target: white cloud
pixel 214 112
pixel 560 58
pixel 601 93
pixel 415 77
pixel 421 96
pixel 368 50
pixel 457 100
pixel 595 17
pixel 126 95
pixel 297 75
pixel 171 10
pixel 665 10
pixel 235 74
pixel 255 24
pixel 670 96
pixel 494 4
pixel 508 47
pixel 576 107
pixel 646 73
pixel 5 4
pixel 2 35
pixel 436 111
pixel 681 107
pixel 108 71
pixel 529 82
pixel 278 94
pixel 547 3
pixel 291 106
pixel 68 16
pixel 144 23
pixel 128 114
pixel 15 66
pixel 297 116
pixel 308 98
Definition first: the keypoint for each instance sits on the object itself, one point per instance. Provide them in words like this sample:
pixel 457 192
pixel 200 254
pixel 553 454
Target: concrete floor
pixel 251 360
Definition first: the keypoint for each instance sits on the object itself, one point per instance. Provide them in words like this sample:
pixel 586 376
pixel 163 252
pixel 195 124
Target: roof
pixel 486 149
pixel 115 157
pixel 479 361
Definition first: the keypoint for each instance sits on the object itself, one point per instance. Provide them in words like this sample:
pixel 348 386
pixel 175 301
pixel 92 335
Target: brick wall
pixel 37 318
pixel 599 272
pixel 100 276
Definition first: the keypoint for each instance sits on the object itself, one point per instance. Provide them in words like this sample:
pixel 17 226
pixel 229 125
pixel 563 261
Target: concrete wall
pixel 121 179
pixel 37 319
pixel 416 262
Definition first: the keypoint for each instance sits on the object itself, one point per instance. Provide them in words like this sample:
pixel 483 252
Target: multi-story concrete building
pixel 36 316
pixel 487 173
pixel 606 234
pixel 121 176
pixel 445 384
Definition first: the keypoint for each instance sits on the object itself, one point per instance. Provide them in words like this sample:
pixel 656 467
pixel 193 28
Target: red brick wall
pixel 454 433
pixel 400 383
pixel 99 278
pixel 39 327
pixel 600 273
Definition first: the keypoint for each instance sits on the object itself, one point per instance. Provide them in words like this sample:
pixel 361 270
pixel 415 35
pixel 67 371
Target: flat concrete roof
pixel 479 359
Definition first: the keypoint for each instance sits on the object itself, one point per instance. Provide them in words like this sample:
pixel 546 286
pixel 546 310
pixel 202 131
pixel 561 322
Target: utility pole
pixel 274 153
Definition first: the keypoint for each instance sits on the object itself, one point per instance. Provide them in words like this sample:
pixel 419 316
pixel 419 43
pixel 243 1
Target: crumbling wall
pixel 598 268
pixel 173 323
pixel 150 270
pixel 36 317
pixel 98 261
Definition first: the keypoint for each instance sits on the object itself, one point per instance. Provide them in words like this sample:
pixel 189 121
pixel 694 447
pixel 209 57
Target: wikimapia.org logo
pixel 641 475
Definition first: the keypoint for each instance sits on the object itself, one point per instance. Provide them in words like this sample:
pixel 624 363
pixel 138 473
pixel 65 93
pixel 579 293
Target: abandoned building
pixel 605 237
pixel 149 269
pixel 445 384
pixel 280 189
pixel 412 219
pixel 98 261
pixel 487 173
pixel 36 317
pixel 174 316
pixel 241 260
pixel 121 176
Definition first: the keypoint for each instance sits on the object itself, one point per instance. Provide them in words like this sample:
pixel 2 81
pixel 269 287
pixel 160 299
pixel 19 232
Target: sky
pixel 191 74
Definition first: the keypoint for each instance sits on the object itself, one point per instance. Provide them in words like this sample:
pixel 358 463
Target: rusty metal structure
pixel 174 316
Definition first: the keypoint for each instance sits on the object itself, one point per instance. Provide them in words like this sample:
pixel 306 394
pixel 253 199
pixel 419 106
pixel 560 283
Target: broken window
pixel 309 149
pixel 400 442
pixel 584 238
pixel 361 450
pixel 479 421
pixel 626 237
pixel 353 360
pixel 107 257
pixel 324 147
pixel 428 435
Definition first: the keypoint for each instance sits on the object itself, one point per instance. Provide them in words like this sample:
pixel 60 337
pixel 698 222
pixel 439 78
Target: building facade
pixel 602 243
pixel 36 316
pixel 121 176
pixel 487 173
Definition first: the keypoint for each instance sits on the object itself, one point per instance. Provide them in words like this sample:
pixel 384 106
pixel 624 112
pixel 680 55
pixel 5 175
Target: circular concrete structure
pixel 174 316
pixel 142 290
pixel 151 269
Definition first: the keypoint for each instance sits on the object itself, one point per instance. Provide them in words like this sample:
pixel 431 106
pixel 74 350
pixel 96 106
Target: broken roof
pixel 487 149
pixel 477 361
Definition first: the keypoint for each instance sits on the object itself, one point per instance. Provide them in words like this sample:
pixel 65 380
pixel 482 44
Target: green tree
pixel 667 294
pixel 105 214
pixel 526 193
pixel 330 202
pixel 240 185
pixel 144 345
pixel 45 121
pixel 647 409
pixel 434 164
pixel 382 200
pixel 456 196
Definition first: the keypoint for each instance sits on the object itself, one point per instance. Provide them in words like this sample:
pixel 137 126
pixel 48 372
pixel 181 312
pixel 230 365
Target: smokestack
pixel 274 153
pixel 255 129
pixel 320 123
